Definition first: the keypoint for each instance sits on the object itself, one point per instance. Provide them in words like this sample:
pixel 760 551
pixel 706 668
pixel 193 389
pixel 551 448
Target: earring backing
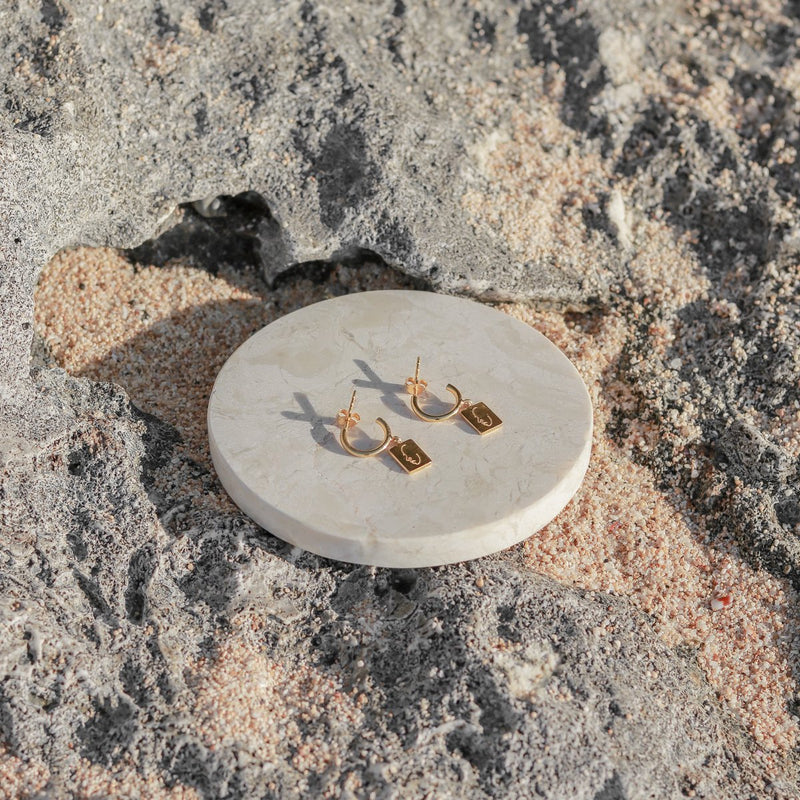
pixel 478 415
pixel 408 454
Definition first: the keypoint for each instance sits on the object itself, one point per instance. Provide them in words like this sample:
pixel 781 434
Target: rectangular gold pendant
pixel 481 418
pixel 409 456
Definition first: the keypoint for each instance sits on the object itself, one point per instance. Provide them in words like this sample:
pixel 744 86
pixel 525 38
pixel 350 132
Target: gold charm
pixel 408 454
pixel 481 418
pixel 478 416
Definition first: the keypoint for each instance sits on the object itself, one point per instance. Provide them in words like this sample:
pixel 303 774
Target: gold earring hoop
pixel 477 415
pixel 346 419
pixel 408 454
pixel 416 386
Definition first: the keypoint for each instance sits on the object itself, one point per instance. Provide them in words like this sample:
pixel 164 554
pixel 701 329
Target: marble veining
pixel 274 441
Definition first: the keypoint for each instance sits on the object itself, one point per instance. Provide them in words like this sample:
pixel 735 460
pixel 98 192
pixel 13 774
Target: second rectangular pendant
pixel 481 418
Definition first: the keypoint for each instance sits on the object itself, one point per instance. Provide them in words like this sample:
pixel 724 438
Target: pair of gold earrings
pixel 407 453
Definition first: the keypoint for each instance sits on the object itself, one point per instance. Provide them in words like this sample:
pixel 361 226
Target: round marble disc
pixel 275 443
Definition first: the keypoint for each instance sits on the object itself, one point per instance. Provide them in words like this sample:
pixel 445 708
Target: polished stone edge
pixel 448 549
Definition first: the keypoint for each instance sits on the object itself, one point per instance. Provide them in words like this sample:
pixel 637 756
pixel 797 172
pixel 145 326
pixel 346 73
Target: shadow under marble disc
pixel 275 444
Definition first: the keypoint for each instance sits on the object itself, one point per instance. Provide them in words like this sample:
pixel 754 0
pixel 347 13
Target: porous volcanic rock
pixel 633 164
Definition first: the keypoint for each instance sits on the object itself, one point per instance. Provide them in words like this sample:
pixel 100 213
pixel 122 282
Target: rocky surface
pixel 223 661
pixel 631 166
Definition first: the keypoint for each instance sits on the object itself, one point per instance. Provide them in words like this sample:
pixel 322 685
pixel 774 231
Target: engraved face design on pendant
pixel 410 456
pixel 481 418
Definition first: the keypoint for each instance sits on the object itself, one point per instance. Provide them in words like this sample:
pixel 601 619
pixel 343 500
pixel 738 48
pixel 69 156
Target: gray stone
pixel 355 138
pixel 519 688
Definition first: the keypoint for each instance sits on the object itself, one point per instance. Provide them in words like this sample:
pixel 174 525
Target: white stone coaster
pixel 275 443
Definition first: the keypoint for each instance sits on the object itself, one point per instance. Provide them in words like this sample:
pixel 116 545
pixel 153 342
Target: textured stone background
pixel 624 176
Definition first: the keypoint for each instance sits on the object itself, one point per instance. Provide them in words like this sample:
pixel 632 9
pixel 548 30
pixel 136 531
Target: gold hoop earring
pixel 408 454
pixel 478 416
